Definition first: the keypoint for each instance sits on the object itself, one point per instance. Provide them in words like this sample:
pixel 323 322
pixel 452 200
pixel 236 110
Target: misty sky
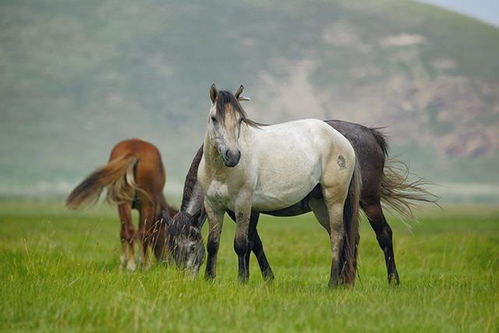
pixel 485 10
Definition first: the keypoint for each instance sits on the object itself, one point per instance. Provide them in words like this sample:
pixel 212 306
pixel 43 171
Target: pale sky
pixel 485 10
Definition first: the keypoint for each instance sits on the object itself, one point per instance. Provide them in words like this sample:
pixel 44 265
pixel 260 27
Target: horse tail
pixel 397 191
pixel 351 225
pixel 401 194
pixel 116 176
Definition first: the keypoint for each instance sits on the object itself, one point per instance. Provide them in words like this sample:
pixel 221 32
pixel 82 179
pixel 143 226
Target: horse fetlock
pixel 243 278
pixel 131 266
pixel 210 274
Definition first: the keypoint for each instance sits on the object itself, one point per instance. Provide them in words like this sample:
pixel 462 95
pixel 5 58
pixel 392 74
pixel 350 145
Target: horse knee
pixel 212 247
pixel 241 245
pixel 127 236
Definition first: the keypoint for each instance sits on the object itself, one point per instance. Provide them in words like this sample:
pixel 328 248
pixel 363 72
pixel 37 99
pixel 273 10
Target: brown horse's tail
pixel 116 176
pixel 399 192
pixel 348 262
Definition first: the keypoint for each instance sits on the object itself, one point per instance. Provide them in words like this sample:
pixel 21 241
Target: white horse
pixel 248 166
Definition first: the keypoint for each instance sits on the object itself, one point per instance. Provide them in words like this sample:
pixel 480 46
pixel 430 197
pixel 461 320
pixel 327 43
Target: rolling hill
pixel 76 77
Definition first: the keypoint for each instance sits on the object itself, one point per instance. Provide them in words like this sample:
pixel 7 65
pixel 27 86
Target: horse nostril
pixel 227 154
pixel 238 155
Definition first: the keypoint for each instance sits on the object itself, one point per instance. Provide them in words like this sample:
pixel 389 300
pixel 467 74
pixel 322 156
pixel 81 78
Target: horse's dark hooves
pixel 268 277
pixel 243 279
pixel 393 280
pixel 337 284
pixel 333 284
pixel 209 277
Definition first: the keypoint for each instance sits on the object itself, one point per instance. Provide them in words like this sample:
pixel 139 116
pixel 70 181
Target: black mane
pixel 191 179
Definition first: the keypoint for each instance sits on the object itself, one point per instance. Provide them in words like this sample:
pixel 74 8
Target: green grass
pixel 59 272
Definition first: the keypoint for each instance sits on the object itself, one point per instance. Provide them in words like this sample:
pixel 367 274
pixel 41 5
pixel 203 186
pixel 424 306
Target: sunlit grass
pixel 59 271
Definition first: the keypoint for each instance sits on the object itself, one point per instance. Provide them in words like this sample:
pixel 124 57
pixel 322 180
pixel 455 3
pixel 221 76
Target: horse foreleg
pixel 257 248
pixel 256 245
pixel 241 239
pixel 215 222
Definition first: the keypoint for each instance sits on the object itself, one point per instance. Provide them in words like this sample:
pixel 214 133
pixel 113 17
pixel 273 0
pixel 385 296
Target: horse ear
pixel 166 218
pixel 213 93
pixel 239 91
pixel 238 95
pixel 199 219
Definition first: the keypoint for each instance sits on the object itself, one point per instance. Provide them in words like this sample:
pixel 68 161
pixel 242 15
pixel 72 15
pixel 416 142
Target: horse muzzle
pixel 231 158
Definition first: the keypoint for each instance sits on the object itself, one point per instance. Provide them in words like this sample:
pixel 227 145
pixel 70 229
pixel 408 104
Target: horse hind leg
pixel 337 237
pixel 146 224
pixel 127 235
pixel 374 213
pixel 330 216
pixel 321 214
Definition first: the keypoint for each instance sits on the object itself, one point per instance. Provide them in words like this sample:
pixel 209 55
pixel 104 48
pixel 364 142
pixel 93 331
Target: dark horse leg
pixel 255 244
pixel 146 224
pixel 383 232
pixel 257 247
pixel 127 235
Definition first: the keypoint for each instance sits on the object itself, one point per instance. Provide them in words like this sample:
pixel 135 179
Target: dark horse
pixel 383 180
pixel 134 178
pixel 387 182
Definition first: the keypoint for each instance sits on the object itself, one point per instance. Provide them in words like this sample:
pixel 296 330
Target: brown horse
pixel 134 178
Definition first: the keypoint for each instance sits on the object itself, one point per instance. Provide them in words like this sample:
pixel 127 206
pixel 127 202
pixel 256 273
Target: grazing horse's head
pixel 184 241
pixel 224 123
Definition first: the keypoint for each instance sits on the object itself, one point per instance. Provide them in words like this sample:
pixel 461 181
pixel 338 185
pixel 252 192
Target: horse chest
pixel 219 193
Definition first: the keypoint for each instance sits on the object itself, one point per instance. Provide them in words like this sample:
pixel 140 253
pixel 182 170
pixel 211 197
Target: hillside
pixel 79 76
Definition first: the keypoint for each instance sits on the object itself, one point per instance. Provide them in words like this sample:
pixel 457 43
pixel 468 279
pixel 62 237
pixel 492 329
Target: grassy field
pixel 59 272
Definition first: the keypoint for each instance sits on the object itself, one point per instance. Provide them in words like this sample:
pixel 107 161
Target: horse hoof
pixel 394 281
pixel 131 266
pixel 268 276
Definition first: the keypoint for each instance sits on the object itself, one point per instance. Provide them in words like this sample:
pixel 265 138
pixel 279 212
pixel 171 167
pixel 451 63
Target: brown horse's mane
pixel 225 97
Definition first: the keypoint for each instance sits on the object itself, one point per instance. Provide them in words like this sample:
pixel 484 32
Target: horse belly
pixel 284 190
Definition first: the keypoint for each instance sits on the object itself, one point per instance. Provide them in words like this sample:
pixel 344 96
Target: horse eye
pixel 213 119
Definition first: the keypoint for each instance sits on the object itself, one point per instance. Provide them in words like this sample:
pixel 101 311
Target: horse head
pixel 224 123
pixel 184 241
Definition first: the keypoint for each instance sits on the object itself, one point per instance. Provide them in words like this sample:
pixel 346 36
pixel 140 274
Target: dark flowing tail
pixel 400 193
pixel 351 224
pixel 116 176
